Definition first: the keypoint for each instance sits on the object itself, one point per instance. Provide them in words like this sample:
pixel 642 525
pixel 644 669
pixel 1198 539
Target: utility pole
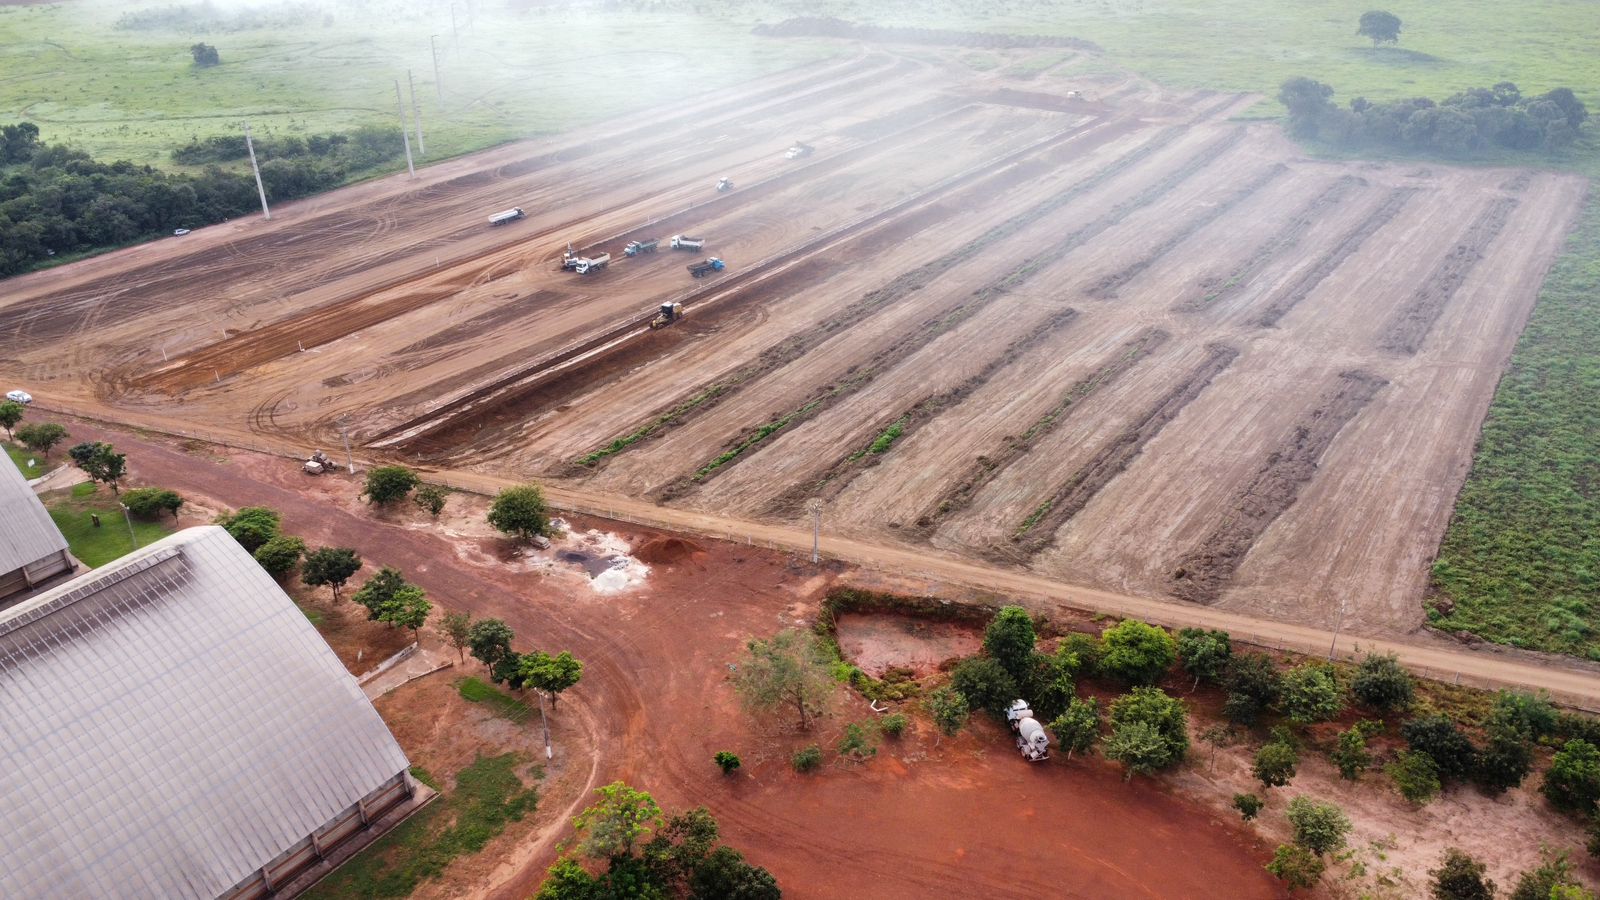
pixel 814 506
pixel 416 113
pixel 129 519
pixel 1337 624
pixel 344 435
pixel 405 132
pixel 455 36
pixel 250 145
pixel 438 85
pixel 549 753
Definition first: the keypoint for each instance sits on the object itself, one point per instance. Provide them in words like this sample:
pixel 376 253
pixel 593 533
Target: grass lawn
pixel 21 455
pixel 71 509
pixel 502 703
pixel 488 795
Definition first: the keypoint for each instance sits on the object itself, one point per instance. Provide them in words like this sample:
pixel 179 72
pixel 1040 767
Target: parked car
pixel 22 397
pixel 180 232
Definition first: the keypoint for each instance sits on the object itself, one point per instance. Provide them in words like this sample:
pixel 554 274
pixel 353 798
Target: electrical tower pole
pixel 344 435
pixel 814 506
pixel 250 145
pixel 438 86
pixel 416 113
pixel 405 131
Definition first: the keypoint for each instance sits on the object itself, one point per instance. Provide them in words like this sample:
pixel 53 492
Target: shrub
pixel 1382 684
pixel 949 710
pixel 1205 654
pixel 856 743
pixel 1505 760
pixel 1460 877
pixel 807 759
pixel 1534 716
pixel 1573 782
pixel 985 683
pixel 1078 655
pixel 1311 694
pixel 727 762
pixel 1438 736
pixel 430 497
pixel 1136 652
pixel 1253 684
pixel 1351 755
pixel 1010 639
pixel 1297 867
pixel 386 484
pixel 1318 827
pixel 251 526
pixel 1275 763
pixel 1078 728
pixel 280 555
pixel 1416 776
pixel 1149 731
pixel 150 503
pixel 894 724
pixel 1248 805
pixel 521 512
pixel 1553 873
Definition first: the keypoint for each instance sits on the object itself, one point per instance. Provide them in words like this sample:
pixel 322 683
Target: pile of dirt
pixel 827 26
pixel 662 550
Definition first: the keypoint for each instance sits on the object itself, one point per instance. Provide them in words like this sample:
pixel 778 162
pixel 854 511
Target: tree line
pixel 1463 124
pixel 56 200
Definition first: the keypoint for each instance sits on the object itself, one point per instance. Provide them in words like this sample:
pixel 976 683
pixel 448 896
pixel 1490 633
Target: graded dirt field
pixel 1086 327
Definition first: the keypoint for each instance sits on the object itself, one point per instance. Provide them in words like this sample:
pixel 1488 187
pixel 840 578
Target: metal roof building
pixel 172 726
pixel 32 549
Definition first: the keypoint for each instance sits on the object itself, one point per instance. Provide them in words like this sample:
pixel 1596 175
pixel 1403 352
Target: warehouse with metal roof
pixel 171 726
pixel 32 550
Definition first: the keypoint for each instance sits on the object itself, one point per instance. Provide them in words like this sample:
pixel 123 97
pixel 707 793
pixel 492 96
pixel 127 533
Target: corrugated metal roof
pixel 26 533
pixel 170 723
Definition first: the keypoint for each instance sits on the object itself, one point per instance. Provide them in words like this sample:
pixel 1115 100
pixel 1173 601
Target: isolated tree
pixel 1136 652
pixel 280 555
pixel 150 503
pixel 790 670
pixel 985 683
pixel 1248 805
pixel 251 526
pixel 457 628
pixel 1275 763
pixel 10 414
pixel 1440 738
pixel 205 56
pixel 1297 867
pixel 41 437
pixel 549 674
pixel 408 608
pixel 1319 827
pixel 1382 27
pixel 430 497
pixel 1382 684
pixel 521 512
pixel 1010 639
pixel 1078 728
pixel 380 590
pixel 1350 754
pixel 386 484
pixel 1253 684
pixel 1415 775
pixel 1205 654
pixel 1460 877
pixel 948 708
pixel 102 463
pixel 331 566
pixel 727 761
pixel 1311 694
pixel 609 828
pixel 490 642
pixel 1573 782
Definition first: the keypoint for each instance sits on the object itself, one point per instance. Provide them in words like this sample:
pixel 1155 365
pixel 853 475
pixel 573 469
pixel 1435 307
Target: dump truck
pixel 317 464
pixel 669 313
pixel 588 265
pixel 510 215
pixel 725 185
pixel 799 150
pixel 1032 742
pixel 635 248
pixel 692 244
pixel 706 267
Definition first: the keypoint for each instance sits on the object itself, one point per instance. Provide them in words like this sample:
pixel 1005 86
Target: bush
pixel 856 742
pixel 727 762
pixel 150 503
pixel 1416 776
pixel 1311 694
pixel 251 526
pixel 1351 755
pixel 985 683
pixel 1437 736
pixel 1297 867
pixel 1248 805
pixel 1573 782
pixel 521 512
pixel 1382 684
pixel 949 710
pixel 1254 685
pixel 430 497
pixel 1460 877
pixel 1078 728
pixel 1010 639
pixel 280 555
pixel 1318 827
pixel 894 724
pixel 1149 731
pixel 1505 760
pixel 1078 655
pixel 1275 763
pixel 387 484
pixel 1136 652
pixel 807 759
pixel 1205 654
pixel 1553 873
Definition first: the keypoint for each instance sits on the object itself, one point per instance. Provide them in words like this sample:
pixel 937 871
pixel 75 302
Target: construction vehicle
pixel 799 150
pixel 669 313
pixel 317 464
pixel 569 259
pixel 692 244
pixel 510 215
pixel 725 185
pixel 635 248
pixel 1032 742
pixel 588 265
pixel 706 267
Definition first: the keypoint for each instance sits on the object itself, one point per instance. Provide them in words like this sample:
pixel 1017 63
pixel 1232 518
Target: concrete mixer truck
pixel 1033 743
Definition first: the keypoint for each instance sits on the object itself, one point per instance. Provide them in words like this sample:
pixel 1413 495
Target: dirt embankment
pixel 1204 572
pixel 1412 321
pixel 827 26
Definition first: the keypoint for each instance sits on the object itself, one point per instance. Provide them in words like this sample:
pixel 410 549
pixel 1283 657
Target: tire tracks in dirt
pixel 1038 531
pixel 1204 572
pixel 1347 246
pixel 844 470
pixel 1413 320
pixel 1107 287
pixel 1216 288
pixel 749 443
pixel 989 466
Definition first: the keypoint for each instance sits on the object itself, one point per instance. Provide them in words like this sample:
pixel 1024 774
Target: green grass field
pixel 21 455
pixel 72 510
pixel 503 704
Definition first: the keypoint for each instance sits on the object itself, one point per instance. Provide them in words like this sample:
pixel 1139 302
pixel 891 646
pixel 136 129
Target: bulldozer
pixel 669 313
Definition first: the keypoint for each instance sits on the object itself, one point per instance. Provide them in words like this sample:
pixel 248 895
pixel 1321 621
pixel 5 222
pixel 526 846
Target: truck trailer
pixel 510 215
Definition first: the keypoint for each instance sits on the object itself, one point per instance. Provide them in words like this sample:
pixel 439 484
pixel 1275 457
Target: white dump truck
pixel 588 265
pixel 1032 742
pixel 682 242
pixel 510 215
